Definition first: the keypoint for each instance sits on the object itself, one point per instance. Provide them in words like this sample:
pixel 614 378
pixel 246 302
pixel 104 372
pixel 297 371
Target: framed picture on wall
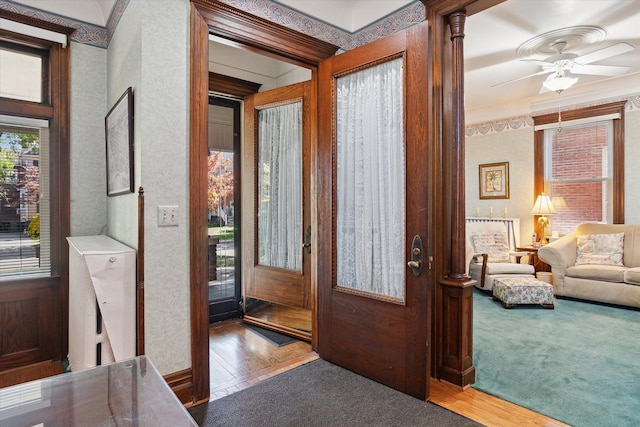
pixel 119 135
pixel 494 180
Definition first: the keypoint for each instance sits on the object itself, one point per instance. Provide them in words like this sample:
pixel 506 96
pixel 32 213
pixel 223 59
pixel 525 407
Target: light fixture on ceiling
pixel 559 82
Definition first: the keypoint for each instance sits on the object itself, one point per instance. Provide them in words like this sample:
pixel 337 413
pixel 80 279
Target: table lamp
pixel 543 207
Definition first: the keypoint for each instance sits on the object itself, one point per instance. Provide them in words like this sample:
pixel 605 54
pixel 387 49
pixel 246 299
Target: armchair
pixel 489 257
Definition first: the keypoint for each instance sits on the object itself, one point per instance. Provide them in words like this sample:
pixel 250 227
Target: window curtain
pixel 280 186
pixel 370 170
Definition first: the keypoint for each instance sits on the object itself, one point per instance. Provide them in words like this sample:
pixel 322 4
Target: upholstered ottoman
pixel 522 290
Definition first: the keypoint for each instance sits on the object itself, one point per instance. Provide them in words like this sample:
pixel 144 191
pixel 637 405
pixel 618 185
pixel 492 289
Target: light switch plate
pixel 167 216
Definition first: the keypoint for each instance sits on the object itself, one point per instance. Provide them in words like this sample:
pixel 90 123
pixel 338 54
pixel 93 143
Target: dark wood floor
pixel 240 358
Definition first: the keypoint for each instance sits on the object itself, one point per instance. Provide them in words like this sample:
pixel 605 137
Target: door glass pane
pixel 25 236
pixel 221 220
pixel 370 174
pixel 280 186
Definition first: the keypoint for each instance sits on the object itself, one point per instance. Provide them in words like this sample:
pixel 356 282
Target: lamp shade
pixel 543 206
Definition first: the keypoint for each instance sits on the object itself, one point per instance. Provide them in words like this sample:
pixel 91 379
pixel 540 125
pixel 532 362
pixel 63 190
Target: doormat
pixel 273 337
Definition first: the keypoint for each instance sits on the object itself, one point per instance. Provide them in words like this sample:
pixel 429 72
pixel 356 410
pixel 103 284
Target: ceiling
pixel 491 43
pixel 92 11
pixel 493 37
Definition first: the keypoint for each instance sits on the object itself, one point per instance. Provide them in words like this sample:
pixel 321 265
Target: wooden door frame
pixel 443 123
pixel 212 17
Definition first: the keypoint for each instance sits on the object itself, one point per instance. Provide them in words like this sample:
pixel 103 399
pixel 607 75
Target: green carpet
pixel 578 363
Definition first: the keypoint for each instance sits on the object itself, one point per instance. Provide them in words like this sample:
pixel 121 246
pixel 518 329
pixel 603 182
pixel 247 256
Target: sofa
pixel 597 262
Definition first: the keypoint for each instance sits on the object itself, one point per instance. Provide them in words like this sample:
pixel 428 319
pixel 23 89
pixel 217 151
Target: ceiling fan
pixel 562 66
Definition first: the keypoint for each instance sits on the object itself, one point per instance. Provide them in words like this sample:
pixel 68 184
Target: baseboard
pixel 181 383
pixel 31 372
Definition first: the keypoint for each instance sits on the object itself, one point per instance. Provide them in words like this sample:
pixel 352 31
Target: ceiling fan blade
pixel 539 73
pixel 607 52
pixel 599 70
pixel 538 62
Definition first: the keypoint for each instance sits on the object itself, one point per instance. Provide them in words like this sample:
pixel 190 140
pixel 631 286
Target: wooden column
pixel 140 276
pixel 457 287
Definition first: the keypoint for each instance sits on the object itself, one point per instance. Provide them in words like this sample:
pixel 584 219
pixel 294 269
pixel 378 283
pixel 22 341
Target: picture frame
pixel 119 144
pixel 494 180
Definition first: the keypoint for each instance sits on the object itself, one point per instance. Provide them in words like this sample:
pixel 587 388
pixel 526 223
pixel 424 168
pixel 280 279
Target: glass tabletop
pixel 125 393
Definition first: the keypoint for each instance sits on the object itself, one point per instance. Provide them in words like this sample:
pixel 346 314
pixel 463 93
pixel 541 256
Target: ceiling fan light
pixel 558 84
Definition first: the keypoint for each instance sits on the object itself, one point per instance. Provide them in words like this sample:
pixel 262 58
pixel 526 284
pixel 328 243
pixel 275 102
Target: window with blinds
pixel 24 193
pixel 578 174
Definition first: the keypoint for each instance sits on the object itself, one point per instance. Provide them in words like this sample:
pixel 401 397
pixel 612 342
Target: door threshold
pixel 301 335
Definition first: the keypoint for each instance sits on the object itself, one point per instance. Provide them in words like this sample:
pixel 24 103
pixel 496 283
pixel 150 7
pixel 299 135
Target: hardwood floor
pixel 239 358
pixel 485 408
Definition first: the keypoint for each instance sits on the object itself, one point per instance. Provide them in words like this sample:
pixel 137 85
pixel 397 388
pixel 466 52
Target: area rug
pixel 578 363
pixel 322 394
pixel 273 337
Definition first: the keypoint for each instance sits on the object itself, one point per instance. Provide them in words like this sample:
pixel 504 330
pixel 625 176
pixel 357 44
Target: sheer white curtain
pixel 371 181
pixel 280 186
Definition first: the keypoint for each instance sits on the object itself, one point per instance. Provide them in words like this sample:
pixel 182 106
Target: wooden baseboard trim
pixel 181 382
pixel 34 371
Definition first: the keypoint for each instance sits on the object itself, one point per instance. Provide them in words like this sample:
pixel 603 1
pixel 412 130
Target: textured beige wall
pixel 632 167
pixel 88 162
pixel 155 64
pixel 515 147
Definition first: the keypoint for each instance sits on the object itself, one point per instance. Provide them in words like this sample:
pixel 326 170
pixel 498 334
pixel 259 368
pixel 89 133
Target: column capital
pixel 456 23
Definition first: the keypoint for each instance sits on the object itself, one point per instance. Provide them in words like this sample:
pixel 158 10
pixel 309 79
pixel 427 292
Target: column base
pixel 457 331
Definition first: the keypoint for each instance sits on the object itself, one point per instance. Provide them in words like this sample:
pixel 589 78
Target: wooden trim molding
pixel 198 239
pixel 445 7
pixel 618 149
pixel 35 22
pixel 262 35
pixel 16 107
pixel 140 278
pixel 232 86
pixel 581 113
pixel 60 60
pixel 181 383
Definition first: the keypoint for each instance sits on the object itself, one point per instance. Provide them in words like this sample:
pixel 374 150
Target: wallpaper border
pixel 99 36
pixel 521 122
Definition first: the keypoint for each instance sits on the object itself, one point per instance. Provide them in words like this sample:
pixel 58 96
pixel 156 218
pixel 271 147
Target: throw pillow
pixel 603 249
pixel 493 244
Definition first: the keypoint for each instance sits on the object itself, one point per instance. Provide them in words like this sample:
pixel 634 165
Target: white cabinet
pixel 102 301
